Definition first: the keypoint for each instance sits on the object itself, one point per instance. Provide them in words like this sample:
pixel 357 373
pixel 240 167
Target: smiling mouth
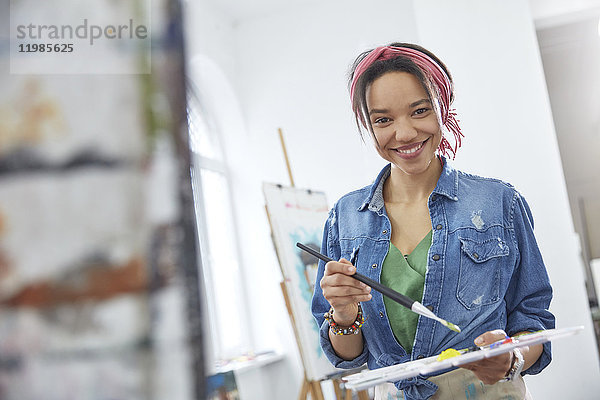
pixel 411 148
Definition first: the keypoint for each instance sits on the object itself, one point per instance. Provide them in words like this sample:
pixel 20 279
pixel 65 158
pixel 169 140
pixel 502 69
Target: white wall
pixel 294 77
pixel 289 71
pixel 552 11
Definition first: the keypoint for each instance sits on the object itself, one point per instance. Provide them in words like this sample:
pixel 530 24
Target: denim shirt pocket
pixel 481 258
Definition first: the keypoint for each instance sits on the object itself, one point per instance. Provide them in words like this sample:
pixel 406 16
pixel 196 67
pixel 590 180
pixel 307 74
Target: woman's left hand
pixel 491 370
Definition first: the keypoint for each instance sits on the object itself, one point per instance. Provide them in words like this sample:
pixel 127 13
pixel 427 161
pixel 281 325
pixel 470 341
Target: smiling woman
pixel 417 233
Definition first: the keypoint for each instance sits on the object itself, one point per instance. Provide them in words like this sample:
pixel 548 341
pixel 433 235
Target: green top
pixel 407 276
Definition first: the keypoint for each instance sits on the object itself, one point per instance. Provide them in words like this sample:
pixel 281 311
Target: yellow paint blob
pixel 446 354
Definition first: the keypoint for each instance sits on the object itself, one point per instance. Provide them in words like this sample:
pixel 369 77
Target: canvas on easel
pixel 298 215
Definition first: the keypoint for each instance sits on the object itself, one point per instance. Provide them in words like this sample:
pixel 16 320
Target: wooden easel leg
pixel 363 395
pixel 304 390
pixel 348 394
pixel 338 391
pixel 317 392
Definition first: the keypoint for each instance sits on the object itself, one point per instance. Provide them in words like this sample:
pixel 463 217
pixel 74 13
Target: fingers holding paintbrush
pixel 342 291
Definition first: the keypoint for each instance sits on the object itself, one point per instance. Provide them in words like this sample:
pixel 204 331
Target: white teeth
pixel 409 151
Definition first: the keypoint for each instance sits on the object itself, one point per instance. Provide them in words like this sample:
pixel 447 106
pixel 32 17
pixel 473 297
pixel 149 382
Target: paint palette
pixel 430 365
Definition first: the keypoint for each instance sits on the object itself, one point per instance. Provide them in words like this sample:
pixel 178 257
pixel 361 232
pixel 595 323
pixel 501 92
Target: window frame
pixel 218 351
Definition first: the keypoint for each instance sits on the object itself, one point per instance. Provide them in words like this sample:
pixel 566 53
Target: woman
pixel 460 244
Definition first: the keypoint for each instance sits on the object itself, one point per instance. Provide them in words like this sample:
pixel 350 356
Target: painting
pixel 222 387
pixel 95 248
pixel 298 215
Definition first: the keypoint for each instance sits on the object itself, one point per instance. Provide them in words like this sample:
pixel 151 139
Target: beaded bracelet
pixel 350 330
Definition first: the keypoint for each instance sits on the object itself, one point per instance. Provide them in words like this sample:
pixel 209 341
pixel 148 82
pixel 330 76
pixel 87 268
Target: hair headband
pixel 432 70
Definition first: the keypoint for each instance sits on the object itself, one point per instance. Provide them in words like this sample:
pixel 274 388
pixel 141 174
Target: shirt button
pixel 420 356
pixel 438 227
pixel 430 308
pixel 384 231
pixel 436 257
pixel 476 256
pixel 433 197
pixel 381 314
pixel 374 266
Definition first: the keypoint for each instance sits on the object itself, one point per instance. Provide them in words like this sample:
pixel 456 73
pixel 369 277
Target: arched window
pixel 226 301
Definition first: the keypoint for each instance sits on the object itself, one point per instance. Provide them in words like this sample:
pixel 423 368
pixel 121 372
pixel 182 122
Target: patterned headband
pixel 434 73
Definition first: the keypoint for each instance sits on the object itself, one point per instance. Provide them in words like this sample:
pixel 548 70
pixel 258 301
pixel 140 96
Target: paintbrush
pixel 399 298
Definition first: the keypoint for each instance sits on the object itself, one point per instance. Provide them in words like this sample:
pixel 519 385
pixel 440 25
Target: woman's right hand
pixel 342 291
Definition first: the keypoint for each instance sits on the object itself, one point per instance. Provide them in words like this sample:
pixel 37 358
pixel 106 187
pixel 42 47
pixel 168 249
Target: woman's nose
pixel 405 131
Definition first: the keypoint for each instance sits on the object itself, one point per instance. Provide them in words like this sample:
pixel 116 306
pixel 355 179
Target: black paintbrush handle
pixel 392 294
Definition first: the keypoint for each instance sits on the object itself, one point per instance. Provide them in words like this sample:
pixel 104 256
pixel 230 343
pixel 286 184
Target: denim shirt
pixel 484 271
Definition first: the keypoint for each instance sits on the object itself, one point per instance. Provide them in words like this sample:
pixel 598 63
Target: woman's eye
pixel 421 111
pixel 382 120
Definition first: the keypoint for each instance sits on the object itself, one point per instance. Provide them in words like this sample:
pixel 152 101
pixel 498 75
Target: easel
pixel 309 386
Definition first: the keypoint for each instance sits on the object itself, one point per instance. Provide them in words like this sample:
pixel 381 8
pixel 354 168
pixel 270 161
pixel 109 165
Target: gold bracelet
pixel 353 329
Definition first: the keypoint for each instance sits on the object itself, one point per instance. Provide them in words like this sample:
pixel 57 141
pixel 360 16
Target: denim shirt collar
pixel 447 186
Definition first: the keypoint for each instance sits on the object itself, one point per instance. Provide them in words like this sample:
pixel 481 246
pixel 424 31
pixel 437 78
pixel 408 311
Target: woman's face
pixel 404 122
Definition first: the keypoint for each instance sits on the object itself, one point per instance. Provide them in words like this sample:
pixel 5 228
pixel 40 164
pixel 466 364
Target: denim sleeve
pixel 330 246
pixel 529 292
